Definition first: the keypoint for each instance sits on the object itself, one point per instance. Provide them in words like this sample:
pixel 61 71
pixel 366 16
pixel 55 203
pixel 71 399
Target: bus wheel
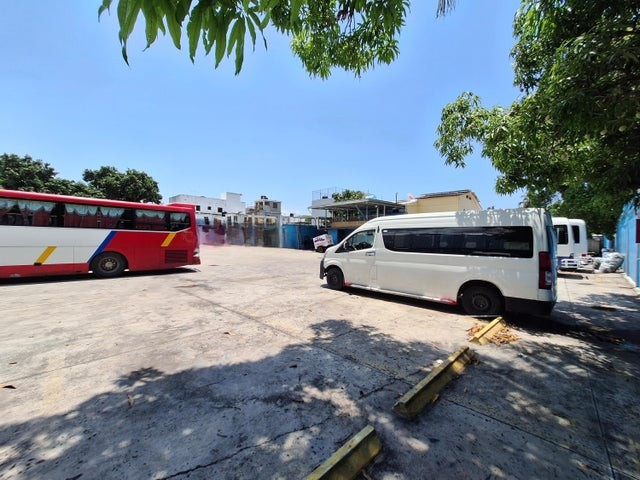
pixel 481 300
pixel 335 279
pixel 108 265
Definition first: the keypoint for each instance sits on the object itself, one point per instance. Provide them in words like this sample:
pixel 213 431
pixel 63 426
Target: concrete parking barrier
pixel 349 460
pixel 428 389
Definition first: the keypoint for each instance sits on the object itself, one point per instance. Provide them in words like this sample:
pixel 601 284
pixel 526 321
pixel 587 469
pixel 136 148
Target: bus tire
pixel 335 279
pixel 108 265
pixel 481 300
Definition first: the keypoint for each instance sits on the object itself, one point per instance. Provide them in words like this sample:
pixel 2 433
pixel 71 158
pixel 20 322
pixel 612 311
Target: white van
pixel 487 261
pixel 580 240
pixel 572 242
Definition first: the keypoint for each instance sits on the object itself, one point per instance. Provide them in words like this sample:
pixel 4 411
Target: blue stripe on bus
pixel 103 245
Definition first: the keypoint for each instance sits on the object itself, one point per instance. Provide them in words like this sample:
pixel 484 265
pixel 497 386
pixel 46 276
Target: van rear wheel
pixel 481 300
pixel 335 279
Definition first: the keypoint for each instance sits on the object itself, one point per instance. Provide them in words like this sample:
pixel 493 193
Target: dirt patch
pixel 501 337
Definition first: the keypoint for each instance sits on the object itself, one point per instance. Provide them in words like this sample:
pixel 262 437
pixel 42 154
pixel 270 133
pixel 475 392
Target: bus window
pixel 109 217
pixel 80 216
pixel 150 220
pixel 178 221
pixel 127 219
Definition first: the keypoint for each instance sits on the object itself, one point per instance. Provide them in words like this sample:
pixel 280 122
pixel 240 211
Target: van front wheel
pixel 481 300
pixel 335 279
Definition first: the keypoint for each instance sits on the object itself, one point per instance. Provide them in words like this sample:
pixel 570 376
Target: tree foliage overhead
pixel 349 34
pixel 27 174
pixel 572 140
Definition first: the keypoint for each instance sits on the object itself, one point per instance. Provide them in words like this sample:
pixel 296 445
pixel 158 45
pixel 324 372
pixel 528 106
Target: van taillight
pixel 545 272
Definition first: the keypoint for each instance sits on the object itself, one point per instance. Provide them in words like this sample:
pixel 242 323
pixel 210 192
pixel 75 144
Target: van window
pixel 576 233
pixel 482 241
pixel 360 240
pixel 562 234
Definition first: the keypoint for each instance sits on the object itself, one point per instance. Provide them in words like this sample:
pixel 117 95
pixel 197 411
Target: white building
pixel 320 199
pixel 267 207
pixel 230 204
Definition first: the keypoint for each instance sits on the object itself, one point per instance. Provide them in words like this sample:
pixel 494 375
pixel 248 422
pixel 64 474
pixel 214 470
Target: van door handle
pixel 370 254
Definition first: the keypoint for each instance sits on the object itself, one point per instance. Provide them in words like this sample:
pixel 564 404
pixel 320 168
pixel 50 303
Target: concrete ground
pixel 248 367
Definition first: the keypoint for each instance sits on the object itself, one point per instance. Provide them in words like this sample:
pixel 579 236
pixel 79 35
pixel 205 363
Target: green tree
pixel 132 186
pixel 347 194
pixel 572 139
pixel 349 34
pixel 62 186
pixel 27 174
pixel 24 173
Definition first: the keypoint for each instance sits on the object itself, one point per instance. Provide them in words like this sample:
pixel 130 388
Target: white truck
pixel 322 242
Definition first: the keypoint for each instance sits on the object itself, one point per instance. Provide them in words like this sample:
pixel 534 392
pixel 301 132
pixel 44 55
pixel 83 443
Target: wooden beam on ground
pixel 428 389
pixel 350 459
pixel 484 335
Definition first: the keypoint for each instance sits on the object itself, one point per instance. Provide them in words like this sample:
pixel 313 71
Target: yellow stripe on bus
pixel 168 240
pixel 46 254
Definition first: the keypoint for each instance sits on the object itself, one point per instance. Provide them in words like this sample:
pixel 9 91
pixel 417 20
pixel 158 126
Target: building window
pixel 197 208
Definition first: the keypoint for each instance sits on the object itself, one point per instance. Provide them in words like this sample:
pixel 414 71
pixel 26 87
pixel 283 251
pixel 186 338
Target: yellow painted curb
pixel 484 335
pixel 427 390
pixel 349 460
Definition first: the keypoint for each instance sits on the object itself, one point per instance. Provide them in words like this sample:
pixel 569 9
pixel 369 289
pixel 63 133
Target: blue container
pixel 299 236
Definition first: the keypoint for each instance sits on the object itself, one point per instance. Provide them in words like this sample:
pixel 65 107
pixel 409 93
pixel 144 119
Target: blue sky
pixel 69 99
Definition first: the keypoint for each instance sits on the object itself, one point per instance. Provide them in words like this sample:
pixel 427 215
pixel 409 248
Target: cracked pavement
pixel 248 367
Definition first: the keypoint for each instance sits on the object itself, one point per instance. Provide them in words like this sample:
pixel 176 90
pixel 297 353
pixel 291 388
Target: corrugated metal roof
pixel 453 193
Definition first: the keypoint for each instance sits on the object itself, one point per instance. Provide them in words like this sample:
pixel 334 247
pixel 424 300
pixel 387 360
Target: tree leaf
pixel 194 27
pixel 174 22
pixel 296 5
pixel 106 4
pixel 252 32
pixel 221 44
pixel 240 47
pixel 152 20
pixel 127 15
pixel 234 36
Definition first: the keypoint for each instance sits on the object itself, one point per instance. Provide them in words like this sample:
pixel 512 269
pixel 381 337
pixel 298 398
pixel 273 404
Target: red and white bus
pixel 45 234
